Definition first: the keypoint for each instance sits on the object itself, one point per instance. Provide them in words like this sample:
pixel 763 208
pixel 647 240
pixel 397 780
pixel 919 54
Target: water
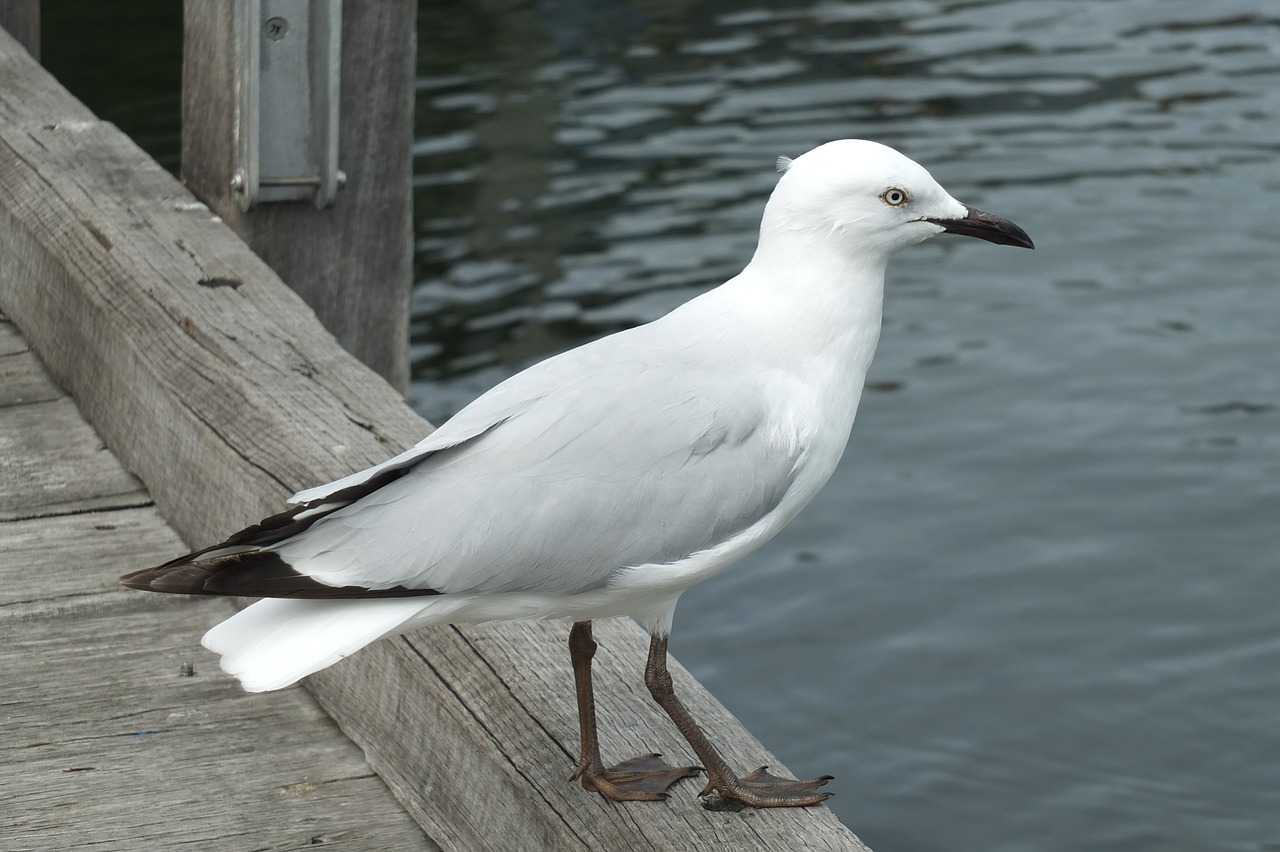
pixel 1035 607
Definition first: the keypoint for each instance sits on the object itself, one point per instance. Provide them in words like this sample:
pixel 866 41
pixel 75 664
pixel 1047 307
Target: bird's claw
pixel 762 789
pixel 640 779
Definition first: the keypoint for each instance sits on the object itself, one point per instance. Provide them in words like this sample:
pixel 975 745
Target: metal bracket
pixel 288 60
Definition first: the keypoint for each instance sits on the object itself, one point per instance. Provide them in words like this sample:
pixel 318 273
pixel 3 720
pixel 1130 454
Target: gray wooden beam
pixel 352 262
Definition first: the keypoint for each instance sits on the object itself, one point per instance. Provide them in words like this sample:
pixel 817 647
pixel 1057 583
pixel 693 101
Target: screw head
pixel 276 28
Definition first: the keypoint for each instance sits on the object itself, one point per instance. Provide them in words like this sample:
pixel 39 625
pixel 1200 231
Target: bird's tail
pixel 276 642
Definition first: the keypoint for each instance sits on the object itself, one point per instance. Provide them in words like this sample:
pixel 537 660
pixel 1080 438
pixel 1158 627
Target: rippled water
pixel 1036 608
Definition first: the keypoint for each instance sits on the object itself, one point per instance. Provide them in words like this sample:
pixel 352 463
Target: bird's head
pixel 866 197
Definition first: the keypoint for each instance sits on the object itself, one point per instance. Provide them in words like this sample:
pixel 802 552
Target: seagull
pixel 605 481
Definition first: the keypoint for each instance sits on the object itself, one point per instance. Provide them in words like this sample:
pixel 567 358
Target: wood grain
pixel 52 462
pixel 22 379
pixel 111 742
pixel 108 746
pixel 217 387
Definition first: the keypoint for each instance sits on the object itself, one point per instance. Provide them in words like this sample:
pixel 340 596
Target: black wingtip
pixel 192 577
pixel 243 566
pixel 174 579
pixel 254 574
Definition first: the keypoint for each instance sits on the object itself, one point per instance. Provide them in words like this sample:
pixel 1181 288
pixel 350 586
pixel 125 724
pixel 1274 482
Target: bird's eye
pixel 895 196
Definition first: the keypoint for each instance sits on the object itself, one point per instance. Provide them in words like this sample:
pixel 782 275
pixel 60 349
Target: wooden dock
pixel 118 732
pixel 202 391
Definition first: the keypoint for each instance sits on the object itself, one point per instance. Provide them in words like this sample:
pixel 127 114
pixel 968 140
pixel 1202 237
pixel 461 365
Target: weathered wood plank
pixel 11 342
pixel 187 331
pixel 22 379
pixel 77 555
pixel 223 395
pixel 50 460
pixel 54 463
pixel 108 746
pixel 352 262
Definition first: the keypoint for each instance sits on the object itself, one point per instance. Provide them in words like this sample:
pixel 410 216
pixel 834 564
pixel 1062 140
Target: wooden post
pixel 351 262
pixel 22 19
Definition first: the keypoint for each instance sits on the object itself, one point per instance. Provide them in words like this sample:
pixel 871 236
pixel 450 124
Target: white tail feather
pixel 275 642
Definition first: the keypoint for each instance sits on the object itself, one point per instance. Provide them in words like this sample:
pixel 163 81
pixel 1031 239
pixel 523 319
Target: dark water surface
pixel 1036 608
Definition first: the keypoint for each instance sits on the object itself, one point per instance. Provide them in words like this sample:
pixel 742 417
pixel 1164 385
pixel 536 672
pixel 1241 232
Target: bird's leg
pixel 641 779
pixel 759 789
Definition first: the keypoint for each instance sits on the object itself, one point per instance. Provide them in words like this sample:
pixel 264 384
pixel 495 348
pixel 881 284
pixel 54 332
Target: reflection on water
pixel 1035 607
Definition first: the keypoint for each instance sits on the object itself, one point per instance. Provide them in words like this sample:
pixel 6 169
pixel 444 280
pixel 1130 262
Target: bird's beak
pixel 986 226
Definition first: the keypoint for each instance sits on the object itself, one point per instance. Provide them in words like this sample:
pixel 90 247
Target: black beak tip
pixel 987 226
pixel 1019 237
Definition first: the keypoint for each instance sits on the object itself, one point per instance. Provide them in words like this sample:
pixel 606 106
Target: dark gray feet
pixel 760 789
pixel 640 779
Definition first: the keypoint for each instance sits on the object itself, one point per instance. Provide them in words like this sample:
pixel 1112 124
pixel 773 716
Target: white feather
pixel 274 643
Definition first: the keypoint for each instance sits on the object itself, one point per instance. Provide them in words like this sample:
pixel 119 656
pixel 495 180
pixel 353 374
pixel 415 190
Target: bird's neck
pixel 819 304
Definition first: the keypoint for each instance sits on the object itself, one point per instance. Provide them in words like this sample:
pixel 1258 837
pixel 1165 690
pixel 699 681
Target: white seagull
pixel 605 481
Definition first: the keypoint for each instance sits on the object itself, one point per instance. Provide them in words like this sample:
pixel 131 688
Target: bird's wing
pixel 616 454
pixel 503 401
pixel 474 420
pixel 586 478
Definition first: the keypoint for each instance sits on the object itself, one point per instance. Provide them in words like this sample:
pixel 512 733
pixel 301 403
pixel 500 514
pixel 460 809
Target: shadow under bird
pixel 605 481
